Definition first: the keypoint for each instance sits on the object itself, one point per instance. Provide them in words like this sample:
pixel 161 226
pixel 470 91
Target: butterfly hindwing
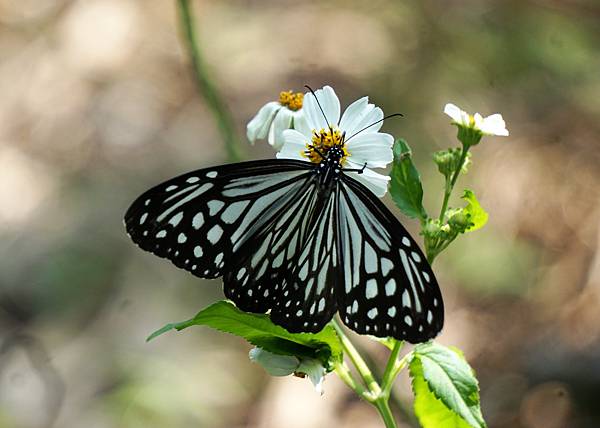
pixel 200 219
pixel 386 286
pixel 307 300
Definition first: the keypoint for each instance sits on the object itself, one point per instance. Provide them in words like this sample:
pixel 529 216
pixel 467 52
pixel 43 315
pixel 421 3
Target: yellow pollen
pixel 322 141
pixel 291 100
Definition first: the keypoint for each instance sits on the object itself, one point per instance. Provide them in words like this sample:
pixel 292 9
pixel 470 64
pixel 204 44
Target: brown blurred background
pixel 97 104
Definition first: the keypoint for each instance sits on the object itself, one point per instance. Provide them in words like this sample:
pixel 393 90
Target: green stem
pixel 450 185
pixel 391 369
pixel 205 84
pixel 344 373
pixel 361 367
pixel 383 407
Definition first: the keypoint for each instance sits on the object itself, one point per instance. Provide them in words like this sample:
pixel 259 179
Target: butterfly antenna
pixel 374 123
pixel 318 103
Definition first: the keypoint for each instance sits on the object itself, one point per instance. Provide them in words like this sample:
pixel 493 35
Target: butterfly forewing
pixel 200 220
pixel 386 286
pixel 256 275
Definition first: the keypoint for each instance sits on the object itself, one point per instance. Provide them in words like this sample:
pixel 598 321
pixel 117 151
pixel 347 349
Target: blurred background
pixel 98 103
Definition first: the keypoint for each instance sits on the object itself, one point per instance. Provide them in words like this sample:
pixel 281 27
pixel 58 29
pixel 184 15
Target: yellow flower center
pixel 291 100
pixel 322 141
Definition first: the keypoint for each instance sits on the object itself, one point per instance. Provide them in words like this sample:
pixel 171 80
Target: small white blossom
pixel 284 365
pixel 275 117
pixel 362 143
pixel 491 125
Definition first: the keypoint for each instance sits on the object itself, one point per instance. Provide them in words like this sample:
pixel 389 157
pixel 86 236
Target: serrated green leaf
pixel 476 214
pixel 405 183
pixel 260 331
pixel 445 388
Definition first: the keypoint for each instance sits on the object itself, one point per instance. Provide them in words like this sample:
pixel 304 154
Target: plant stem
pixel 450 185
pixel 384 410
pixel 391 369
pixel 205 84
pixel 362 368
pixel 344 373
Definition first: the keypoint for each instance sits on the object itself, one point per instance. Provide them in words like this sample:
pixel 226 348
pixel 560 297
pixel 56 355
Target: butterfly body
pixel 301 239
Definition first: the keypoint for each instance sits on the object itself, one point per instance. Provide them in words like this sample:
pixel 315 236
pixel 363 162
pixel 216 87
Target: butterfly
pixel 300 239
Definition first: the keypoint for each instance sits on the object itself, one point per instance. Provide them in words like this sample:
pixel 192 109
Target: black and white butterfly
pixel 300 239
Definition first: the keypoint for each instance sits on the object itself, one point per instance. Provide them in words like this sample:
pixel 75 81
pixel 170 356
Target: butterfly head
pixel 327 146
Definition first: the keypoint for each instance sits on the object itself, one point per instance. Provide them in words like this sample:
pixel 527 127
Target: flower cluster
pixel 305 126
pixel 319 123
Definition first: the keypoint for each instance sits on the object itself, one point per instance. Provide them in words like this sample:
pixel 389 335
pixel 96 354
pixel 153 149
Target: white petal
pixel 375 149
pixel 359 115
pixel 283 121
pixel 314 370
pixel 478 119
pixel 259 126
pixel 375 182
pixel 294 145
pixel 458 115
pixel 494 125
pixel 274 364
pixel 453 111
pixel 301 122
pixel 330 104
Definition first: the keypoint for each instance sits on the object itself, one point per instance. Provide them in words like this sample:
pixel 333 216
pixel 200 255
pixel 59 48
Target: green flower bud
pixel 459 220
pixel 447 161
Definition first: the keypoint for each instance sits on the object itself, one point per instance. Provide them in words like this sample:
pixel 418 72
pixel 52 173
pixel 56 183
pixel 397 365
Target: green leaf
pixel 446 390
pixel 405 184
pixel 260 331
pixel 476 214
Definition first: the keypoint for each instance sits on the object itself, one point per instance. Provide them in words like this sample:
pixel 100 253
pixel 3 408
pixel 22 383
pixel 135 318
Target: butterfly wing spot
pixel 198 251
pixel 392 312
pixel 415 256
pixel 390 287
pixel 214 234
pixel 192 180
pixel 406 241
pixel 214 206
pixel 426 276
pixel 386 266
pixel 176 219
pixel 370 259
pixel 212 174
pixel 161 233
pixel 143 218
pixel 181 238
pixel 408 320
pixel 233 212
pixel 429 317
pixel 372 313
pixel 406 299
pixel 171 188
pixel 371 289
pixel 198 221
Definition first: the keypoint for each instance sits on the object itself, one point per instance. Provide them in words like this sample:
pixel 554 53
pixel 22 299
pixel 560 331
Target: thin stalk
pixel 450 186
pixel 205 84
pixel 344 373
pixel 383 407
pixel 389 376
pixel 361 367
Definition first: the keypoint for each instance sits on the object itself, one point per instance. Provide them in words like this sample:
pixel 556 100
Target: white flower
pixel 275 117
pixel 284 365
pixel 491 125
pixel 361 146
